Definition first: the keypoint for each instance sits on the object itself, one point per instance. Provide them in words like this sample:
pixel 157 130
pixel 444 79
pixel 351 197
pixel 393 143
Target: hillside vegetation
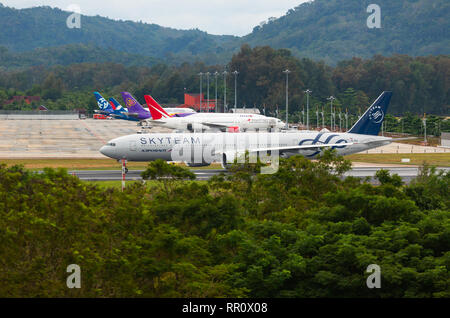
pixel 328 30
pixel 69 54
pixel 420 85
pixel 302 232
pixel 334 30
pixel 44 27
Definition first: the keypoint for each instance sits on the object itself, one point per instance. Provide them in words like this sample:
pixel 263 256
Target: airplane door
pixel 133 146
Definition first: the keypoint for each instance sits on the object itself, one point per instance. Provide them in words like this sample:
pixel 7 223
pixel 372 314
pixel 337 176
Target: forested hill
pixel 329 30
pixel 70 54
pixel 44 27
pixel 335 30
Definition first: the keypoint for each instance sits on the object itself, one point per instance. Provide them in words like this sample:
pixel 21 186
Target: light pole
pixel 287 97
pixel 201 84
pixel 207 94
pixel 235 89
pixel 303 117
pixel 215 103
pixel 331 99
pixel 425 128
pixel 307 108
pixel 334 118
pixel 346 119
pixel 224 90
pixel 323 118
pixel 317 117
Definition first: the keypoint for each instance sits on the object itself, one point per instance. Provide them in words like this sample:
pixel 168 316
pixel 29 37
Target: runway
pixel 132 175
pixel 406 173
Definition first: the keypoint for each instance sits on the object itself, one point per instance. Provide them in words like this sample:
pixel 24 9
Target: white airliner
pixel 198 149
pixel 178 110
pixel 210 121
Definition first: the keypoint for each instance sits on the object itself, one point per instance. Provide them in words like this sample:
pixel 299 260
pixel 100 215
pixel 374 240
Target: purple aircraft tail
pixel 133 105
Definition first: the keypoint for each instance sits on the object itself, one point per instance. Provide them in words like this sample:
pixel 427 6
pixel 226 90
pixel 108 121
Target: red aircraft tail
pixel 156 110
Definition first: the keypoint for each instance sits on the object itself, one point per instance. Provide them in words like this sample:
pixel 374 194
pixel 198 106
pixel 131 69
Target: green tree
pixel 167 174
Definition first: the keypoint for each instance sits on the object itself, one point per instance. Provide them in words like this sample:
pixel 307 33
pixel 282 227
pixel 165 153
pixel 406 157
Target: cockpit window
pixel 111 144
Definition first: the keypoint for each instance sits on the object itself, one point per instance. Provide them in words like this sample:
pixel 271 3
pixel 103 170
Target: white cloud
pixel 237 17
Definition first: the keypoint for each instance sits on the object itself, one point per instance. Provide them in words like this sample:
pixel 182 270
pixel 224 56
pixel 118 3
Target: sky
pixel 231 17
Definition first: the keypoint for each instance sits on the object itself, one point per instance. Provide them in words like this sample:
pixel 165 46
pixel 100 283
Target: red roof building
pixel 193 101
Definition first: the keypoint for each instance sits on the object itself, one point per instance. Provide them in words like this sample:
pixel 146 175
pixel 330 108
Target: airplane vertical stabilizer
pixel 370 122
pixel 155 109
pixel 103 103
pixel 132 104
pixel 116 105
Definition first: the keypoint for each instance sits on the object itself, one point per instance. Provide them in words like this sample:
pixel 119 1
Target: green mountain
pixel 335 30
pixel 329 30
pixel 43 27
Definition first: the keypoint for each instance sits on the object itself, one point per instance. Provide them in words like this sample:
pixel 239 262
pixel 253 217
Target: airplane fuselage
pixel 218 121
pixel 189 147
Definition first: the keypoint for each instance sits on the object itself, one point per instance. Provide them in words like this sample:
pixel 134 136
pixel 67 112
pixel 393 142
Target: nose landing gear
pixel 124 165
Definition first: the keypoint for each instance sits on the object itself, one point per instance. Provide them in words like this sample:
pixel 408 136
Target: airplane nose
pixel 105 151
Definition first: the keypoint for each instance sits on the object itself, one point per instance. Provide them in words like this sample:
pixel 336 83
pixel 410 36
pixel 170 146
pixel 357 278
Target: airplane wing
pixel 103 112
pixel 157 122
pixel 302 147
pixel 406 138
pixel 232 154
pixel 378 143
pixel 212 125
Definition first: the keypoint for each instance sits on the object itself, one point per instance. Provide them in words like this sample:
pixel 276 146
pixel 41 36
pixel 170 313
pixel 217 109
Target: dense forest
pixel 420 85
pixel 328 30
pixel 302 232
pixel 69 54
pixel 336 30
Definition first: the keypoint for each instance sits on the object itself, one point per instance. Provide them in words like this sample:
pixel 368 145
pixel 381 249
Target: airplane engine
pixel 224 163
pixel 194 165
pixel 233 129
pixel 194 127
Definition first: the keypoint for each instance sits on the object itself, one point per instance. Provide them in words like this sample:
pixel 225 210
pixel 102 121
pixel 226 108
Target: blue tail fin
pixel 103 103
pixel 117 105
pixel 370 122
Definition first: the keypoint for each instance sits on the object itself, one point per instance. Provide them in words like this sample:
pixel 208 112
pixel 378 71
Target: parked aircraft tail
pixel 370 122
pixel 103 103
pixel 156 110
pixel 116 105
pixel 132 104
